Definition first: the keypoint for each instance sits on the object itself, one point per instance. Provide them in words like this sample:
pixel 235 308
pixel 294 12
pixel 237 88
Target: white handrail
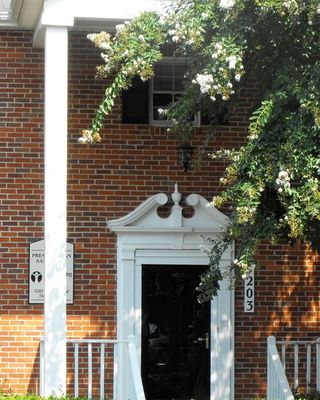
pixel 278 387
pixel 133 362
pixel 135 370
pixel 89 343
pixel 308 352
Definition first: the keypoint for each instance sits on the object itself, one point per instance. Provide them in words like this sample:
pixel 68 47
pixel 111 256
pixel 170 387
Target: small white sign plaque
pixel 36 273
pixel 249 292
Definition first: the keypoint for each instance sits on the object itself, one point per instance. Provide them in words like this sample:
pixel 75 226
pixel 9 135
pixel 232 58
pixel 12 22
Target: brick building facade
pixel 105 182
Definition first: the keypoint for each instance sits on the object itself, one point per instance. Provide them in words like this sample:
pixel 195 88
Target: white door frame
pixel 143 238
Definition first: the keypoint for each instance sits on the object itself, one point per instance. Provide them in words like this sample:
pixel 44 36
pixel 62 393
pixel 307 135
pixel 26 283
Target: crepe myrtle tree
pixel 272 181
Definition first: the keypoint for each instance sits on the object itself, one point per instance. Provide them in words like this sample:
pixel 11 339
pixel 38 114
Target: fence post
pixel 277 383
pixel 102 371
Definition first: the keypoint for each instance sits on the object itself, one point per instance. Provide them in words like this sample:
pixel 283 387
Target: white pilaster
pixel 56 70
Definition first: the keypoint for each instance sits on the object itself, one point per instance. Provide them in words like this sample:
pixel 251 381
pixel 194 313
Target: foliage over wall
pixel 271 182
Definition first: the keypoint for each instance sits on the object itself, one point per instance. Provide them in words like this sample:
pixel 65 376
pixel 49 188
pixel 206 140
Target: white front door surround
pixel 144 238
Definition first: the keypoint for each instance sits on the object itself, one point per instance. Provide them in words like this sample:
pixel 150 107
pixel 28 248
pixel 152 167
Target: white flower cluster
pixel 245 213
pixel 162 112
pixel 232 60
pixel 205 82
pixel 283 181
pixel 233 66
pixel 120 27
pixel 226 3
pixel 244 267
pixel 218 50
pixel 101 40
pixel 105 57
pixel 89 137
pixel 174 35
pixel 290 4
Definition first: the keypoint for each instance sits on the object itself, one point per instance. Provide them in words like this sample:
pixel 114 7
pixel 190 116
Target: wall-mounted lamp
pixel 185 152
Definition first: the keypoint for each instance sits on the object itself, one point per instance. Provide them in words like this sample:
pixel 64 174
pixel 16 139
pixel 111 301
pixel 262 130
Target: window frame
pixel 171 61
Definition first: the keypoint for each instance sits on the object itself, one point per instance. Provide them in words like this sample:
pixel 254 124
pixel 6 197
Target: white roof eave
pixel 93 15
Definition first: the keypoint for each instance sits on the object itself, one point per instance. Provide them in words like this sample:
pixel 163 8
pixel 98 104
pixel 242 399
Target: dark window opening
pixel 135 103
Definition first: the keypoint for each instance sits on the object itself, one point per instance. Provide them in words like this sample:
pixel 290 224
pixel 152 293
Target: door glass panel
pixel 175 334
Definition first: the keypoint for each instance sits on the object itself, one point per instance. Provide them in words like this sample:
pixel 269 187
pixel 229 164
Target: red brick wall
pixel 21 204
pixel 106 181
pixel 286 305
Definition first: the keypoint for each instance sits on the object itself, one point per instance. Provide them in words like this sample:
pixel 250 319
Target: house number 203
pixel 249 292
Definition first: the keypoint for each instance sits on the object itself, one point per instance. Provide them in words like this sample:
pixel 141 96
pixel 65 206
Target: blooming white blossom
pixel 162 112
pixel 120 27
pixel 283 181
pixel 83 140
pixel 232 60
pixel 190 42
pixel 104 57
pixel 226 3
pixel 205 82
pixel 283 175
pixel 88 137
pixel 105 46
pixel 237 77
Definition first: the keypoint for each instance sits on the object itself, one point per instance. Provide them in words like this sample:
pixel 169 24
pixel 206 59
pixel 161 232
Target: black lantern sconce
pixel 185 152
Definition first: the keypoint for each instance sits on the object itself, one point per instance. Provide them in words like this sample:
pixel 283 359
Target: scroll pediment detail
pixel 145 216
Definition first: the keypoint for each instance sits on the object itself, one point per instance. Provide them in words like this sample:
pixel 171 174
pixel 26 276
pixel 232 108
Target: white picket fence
pixel 97 348
pixel 301 358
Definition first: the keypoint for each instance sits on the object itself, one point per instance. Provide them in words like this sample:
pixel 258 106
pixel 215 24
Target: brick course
pixel 106 181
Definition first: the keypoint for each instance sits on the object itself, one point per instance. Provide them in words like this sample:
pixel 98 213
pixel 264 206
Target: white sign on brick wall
pixel 249 292
pixel 36 273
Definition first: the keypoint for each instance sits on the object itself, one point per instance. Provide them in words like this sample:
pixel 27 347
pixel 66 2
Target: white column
pixel 56 70
pixel 125 316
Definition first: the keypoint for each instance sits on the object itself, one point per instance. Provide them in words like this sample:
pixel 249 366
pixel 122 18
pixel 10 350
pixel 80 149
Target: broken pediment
pixel 204 219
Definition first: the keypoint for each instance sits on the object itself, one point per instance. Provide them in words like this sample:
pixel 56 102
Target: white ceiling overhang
pixel 80 15
pixel 19 14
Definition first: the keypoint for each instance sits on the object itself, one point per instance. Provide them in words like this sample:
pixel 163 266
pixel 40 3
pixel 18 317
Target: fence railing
pixel 302 355
pixel 277 384
pixel 89 366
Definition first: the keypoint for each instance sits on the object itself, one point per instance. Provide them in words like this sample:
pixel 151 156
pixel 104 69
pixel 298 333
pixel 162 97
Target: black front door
pixel 175 334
